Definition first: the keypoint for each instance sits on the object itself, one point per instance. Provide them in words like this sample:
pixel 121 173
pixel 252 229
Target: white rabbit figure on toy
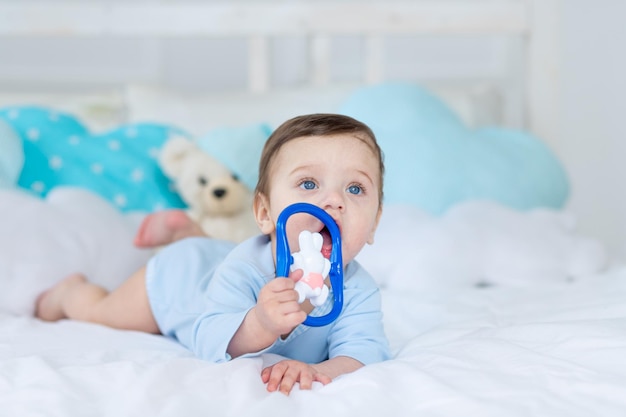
pixel 314 266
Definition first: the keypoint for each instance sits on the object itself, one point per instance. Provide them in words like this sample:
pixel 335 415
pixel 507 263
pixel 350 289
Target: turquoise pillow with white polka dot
pixel 119 165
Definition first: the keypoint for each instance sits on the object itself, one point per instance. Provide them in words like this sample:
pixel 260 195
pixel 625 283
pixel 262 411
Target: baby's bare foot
pixel 48 306
pixel 165 227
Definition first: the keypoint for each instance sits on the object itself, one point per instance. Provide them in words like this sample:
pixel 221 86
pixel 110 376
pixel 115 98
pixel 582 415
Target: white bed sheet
pixel 550 341
pixel 550 350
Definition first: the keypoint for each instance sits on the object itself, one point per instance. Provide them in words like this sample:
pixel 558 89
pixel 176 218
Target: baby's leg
pixel 127 307
pixel 165 227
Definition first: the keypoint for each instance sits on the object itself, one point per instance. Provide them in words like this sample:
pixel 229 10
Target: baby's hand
pixel 284 375
pixel 277 309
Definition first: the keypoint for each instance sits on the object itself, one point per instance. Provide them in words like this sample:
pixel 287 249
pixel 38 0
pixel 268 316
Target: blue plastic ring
pixel 284 258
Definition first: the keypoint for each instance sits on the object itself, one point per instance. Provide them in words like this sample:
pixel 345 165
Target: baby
pixel 222 301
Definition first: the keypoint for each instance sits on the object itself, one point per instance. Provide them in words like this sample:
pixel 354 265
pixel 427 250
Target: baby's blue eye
pixel 308 185
pixel 355 189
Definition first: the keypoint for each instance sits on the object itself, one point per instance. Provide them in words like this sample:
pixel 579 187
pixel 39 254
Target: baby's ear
pixel 262 214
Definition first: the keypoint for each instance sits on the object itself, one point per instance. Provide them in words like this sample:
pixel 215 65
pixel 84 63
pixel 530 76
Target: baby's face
pixel 339 174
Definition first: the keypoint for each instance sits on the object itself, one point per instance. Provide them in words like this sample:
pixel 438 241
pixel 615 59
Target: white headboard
pixel 535 22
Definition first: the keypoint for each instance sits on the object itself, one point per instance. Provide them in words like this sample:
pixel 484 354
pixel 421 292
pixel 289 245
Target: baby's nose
pixel 334 201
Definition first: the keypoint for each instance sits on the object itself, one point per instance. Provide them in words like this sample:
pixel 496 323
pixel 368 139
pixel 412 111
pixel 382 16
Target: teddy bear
pixel 217 201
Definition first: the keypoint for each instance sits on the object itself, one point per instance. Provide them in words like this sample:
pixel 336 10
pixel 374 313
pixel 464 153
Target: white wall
pixel 594 116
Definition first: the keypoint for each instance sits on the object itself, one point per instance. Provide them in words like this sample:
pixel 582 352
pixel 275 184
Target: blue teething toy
pixel 284 258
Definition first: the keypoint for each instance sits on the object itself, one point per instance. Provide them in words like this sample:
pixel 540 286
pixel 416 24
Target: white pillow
pixel 476 243
pixel 73 230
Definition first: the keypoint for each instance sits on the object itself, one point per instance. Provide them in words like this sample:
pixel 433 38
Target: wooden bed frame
pixel 535 21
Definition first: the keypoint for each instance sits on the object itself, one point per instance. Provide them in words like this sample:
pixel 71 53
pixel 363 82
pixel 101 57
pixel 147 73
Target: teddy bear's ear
pixel 173 154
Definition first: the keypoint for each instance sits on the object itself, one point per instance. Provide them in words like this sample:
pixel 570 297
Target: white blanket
pixel 544 337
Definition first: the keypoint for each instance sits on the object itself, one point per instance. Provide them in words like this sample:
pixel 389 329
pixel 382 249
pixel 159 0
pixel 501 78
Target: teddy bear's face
pixel 209 188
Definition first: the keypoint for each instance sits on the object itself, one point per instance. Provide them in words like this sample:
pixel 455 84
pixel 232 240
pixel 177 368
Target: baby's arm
pixel 338 366
pixel 276 313
pixel 357 333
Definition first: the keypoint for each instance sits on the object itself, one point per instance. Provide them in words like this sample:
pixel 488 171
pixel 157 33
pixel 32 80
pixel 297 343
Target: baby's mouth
pixel 327 246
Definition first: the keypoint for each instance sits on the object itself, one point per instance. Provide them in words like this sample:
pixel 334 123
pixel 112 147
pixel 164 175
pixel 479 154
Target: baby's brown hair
pixel 319 124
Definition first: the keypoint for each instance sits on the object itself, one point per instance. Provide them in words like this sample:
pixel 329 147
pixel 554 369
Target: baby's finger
pixel 275 376
pixel 306 380
pixel 295 317
pixel 296 275
pixel 324 379
pixel 265 374
pixel 290 377
pixel 287 296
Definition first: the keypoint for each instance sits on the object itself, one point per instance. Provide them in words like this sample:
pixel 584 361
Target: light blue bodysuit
pixel 201 289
